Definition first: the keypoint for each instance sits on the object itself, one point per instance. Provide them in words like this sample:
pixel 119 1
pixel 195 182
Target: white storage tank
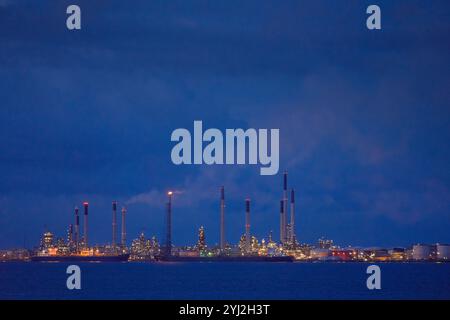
pixel 421 252
pixel 443 251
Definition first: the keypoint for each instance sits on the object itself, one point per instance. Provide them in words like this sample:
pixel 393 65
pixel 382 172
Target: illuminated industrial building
pixel 143 249
pixel 248 246
pixel 201 243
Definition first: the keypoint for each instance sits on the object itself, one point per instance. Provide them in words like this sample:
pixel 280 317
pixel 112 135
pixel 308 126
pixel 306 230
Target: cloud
pixel 203 187
pixel 363 118
pixel 406 206
pixel 5 3
pixel 328 109
pixel 153 198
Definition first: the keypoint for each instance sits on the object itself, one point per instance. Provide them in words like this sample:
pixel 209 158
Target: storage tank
pixel 443 251
pixel 421 252
pixel 318 253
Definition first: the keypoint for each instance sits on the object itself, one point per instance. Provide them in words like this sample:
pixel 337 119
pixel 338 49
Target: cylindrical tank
pixel 443 251
pixel 318 253
pixel 421 252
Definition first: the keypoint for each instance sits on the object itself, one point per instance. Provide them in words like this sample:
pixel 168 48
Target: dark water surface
pixel 218 280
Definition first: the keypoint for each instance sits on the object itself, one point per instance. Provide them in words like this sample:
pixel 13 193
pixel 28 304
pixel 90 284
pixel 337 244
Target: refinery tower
pixel 168 248
pixel 287 230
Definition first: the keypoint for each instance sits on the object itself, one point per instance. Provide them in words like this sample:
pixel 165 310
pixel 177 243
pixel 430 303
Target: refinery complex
pixel 76 246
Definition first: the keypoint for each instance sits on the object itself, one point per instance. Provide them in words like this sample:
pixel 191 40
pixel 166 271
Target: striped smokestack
pixel 86 211
pixel 222 218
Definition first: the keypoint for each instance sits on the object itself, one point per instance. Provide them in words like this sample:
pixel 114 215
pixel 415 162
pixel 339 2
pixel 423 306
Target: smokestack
pixel 114 223
pixel 124 234
pixel 86 209
pixel 169 225
pixel 281 220
pixel 292 217
pixel 285 181
pixel 247 225
pixel 77 228
pixel 285 204
pixel 222 218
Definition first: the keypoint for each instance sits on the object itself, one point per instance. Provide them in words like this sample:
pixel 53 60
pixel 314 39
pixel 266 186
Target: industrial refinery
pixel 76 247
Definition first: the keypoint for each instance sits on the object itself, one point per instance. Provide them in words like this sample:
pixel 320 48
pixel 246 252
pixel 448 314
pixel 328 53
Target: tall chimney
pixel 285 182
pixel 292 216
pixel 281 220
pixel 77 228
pixel 86 209
pixel 114 223
pixel 285 209
pixel 168 249
pixel 124 233
pixel 222 218
pixel 247 225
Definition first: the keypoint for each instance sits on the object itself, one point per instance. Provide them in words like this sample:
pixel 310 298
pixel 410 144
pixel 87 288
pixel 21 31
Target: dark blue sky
pixel 363 116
